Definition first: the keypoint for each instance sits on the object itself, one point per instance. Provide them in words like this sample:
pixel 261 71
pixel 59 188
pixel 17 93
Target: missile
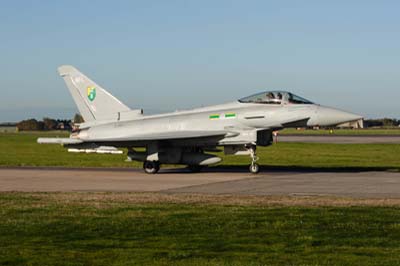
pixel 196 158
pixel 100 150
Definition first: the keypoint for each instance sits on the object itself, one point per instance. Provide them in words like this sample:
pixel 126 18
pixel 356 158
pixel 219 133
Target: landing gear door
pixel 236 150
pixel 264 137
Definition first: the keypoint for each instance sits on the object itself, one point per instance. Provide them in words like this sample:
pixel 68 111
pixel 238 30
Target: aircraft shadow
pixel 277 169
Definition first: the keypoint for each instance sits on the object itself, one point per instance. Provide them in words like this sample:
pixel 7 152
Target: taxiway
pixel 368 184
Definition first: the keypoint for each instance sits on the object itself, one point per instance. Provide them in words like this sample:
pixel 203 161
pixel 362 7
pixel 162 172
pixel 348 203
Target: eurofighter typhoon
pixel 185 137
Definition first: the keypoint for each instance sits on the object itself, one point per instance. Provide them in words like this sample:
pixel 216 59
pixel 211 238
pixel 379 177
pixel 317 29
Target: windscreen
pixel 275 97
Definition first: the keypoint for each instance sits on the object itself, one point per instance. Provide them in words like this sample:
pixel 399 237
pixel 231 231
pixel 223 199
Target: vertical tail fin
pixel 93 102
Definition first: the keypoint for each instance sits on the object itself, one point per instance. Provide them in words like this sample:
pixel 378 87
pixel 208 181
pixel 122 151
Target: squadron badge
pixel 91 93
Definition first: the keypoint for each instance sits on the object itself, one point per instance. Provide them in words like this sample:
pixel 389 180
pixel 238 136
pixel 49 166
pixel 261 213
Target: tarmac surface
pixel 352 139
pixel 363 184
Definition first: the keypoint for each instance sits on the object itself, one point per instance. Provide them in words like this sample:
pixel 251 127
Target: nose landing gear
pixel 254 167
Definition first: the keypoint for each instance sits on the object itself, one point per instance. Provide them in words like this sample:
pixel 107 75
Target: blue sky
pixel 167 55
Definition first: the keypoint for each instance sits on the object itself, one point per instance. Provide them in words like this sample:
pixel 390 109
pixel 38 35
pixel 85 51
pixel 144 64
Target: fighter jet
pixel 186 137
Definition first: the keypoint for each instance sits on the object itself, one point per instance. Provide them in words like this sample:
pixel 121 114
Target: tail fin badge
pixel 91 93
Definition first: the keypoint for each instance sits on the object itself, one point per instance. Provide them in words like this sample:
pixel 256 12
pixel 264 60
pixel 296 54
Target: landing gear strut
pixel 151 167
pixel 254 167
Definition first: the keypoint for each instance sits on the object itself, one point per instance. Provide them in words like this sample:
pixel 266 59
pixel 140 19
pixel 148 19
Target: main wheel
pixel 195 168
pixel 254 168
pixel 151 167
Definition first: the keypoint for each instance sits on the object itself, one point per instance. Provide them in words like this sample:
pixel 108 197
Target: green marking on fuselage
pixel 214 116
pixel 230 115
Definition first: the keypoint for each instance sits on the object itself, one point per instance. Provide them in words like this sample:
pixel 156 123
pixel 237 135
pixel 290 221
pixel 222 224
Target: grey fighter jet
pixel 185 137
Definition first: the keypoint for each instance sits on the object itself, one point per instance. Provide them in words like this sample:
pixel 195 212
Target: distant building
pixel 64 125
pixel 8 127
pixel 61 126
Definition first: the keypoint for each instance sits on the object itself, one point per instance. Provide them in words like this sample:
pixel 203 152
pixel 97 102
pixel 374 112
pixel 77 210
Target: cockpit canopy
pixel 275 97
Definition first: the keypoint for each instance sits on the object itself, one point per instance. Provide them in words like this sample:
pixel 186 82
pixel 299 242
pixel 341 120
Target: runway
pixel 352 139
pixel 369 184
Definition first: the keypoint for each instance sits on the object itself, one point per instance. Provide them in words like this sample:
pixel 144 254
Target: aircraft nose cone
pixel 331 117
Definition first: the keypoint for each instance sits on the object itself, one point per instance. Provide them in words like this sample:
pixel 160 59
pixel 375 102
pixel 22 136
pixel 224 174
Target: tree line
pixel 59 124
pixel 49 124
pixel 383 122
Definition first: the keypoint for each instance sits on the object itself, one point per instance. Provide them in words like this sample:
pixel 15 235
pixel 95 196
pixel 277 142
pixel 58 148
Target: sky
pixel 170 55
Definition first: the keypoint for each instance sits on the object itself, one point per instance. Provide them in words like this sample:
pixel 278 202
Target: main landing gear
pixel 254 167
pixel 195 168
pixel 151 167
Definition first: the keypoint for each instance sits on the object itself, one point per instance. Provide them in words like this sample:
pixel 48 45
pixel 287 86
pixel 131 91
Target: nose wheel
pixel 151 167
pixel 254 167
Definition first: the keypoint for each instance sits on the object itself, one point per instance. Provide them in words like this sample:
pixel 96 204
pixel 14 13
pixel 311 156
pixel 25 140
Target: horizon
pixel 163 56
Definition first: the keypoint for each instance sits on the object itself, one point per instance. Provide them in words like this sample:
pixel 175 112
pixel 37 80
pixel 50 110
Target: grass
pixel 110 229
pixel 178 229
pixel 21 149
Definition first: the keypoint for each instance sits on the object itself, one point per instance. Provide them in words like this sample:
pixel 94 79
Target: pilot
pixel 270 96
pixel 290 100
